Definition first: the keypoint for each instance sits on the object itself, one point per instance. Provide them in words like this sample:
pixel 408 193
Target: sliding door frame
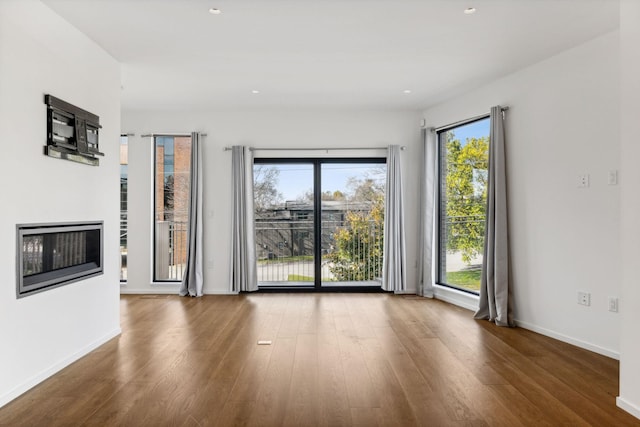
pixel 317 163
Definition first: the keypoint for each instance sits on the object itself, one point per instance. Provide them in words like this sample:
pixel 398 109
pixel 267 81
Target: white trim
pixel 408 291
pixel 470 302
pixel 628 406
pixel 573 341
pixel 456 297
pixel 56 367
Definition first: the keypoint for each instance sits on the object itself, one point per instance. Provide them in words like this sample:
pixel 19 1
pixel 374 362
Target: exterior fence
pixel 468 228
pixel 123 247
pixel 285 251
pixel 170 249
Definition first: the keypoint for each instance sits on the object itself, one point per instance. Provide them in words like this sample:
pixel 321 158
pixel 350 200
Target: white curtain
pixel 495 287
pixel 193 279
pixel 428 181
pixel 244 276
pixel 394 265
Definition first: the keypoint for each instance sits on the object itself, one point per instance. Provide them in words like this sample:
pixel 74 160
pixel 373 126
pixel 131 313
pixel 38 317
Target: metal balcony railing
pixel 123 246
pixel 468 227
pixel 285 251
pixel 170 250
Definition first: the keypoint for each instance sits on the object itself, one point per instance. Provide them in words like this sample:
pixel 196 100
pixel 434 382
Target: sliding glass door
pixel 284 213
pixel 352 202
pixel 319 222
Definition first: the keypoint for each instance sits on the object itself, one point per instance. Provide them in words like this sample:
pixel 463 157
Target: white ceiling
pixel 325 53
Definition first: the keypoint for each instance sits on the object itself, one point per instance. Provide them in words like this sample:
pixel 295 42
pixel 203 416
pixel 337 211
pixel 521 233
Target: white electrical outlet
pixel 612 177
pixel 584 298
pixel 583 181
pixel 613 304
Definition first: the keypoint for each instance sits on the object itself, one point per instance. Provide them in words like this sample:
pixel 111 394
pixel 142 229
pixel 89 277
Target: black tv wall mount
pixel 72 133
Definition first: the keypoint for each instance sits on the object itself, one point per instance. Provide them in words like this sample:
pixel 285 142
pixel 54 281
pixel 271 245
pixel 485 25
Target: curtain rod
pixel 462 122
pixel 147 135
pixel 316 149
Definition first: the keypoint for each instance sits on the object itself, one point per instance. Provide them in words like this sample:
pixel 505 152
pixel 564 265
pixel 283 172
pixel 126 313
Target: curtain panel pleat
pixel 428 189
pixel 193 278
pixel 394 265
pixel 495 287
pixel 244 276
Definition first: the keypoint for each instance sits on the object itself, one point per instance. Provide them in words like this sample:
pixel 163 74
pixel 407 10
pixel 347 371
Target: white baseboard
pixel 41 376
pixel 573 341
pixel 405 292
pixel 456 297
pixel 470 302
pixel 628 406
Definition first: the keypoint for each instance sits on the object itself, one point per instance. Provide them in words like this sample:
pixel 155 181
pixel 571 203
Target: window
pixel 464 161
pixel 171 203
pixel 124 173
pixel 319 222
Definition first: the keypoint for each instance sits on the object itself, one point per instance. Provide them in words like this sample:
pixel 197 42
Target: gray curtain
pixel 243 248
pixel 495 288
pixel 428 181
pixel 193 279
pixel 394 265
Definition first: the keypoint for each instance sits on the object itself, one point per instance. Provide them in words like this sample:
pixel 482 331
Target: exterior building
pixel 287 230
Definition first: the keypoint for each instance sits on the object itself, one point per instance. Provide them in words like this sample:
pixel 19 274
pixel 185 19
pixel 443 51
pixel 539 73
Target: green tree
pixel 466 195
pixel 357 254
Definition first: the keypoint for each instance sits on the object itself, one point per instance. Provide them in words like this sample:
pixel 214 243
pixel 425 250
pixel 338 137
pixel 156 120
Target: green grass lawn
pixel 468 279
pixel 299 278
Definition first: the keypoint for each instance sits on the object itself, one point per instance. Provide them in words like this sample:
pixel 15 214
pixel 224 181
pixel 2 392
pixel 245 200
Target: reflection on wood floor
pixel 336 360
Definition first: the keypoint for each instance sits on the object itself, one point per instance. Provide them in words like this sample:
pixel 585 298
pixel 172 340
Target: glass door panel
pixel 284 220
pixel 352 217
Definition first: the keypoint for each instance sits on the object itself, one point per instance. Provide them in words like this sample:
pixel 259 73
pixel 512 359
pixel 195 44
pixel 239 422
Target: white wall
pixel 629 398
pixel 562 122
pixel 257 129
pixel 40 53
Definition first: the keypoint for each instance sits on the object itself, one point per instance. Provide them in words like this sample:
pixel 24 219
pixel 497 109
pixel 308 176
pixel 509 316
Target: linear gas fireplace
pixel 52 255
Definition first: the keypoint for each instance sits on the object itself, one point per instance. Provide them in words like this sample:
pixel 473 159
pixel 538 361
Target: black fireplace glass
pixel 51 255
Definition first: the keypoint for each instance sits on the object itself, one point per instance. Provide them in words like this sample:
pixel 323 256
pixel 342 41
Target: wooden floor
pixel 336 360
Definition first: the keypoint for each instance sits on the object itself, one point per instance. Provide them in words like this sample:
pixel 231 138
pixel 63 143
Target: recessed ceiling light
pixel 406 91
pixel 255 91
pixel 215 11
pixel 470 11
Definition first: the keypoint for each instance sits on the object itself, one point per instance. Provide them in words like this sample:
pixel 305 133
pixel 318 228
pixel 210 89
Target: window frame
pixel 317 163
pixel 154 279
pixel 124 180
pixel 441 172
